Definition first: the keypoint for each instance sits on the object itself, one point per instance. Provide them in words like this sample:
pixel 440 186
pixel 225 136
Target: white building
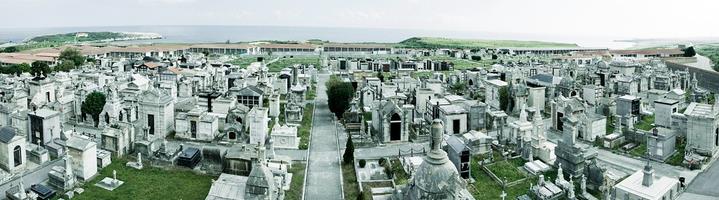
pixel 644 185
pixel 702 130
pixel 157 113
pixel 84 157
pixel 257 123
pixel 285 137
pixel 196 125
pixel 12 150
pixel 492 93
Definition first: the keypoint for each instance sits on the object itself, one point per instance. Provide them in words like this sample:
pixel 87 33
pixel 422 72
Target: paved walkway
pixel 706 183
pixel 323 170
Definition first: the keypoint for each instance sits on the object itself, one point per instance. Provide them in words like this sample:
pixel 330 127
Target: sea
pixel 215 34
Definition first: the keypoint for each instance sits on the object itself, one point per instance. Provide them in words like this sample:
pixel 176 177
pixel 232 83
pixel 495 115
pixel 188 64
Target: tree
pixel 503 98
pixel 22 68
pixel 12 49
pixel 72 54
pixel 689 52
pixel 93 104
pixel 65 66
pixel 380 76
pixel 458 87
pixel 339 95
pixel 40 68
pixel 349 155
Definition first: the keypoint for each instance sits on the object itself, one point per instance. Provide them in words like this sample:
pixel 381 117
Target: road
pixel 323 169
pixel 705 184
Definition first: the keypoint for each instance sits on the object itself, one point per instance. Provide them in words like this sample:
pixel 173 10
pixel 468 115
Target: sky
pixel 608 18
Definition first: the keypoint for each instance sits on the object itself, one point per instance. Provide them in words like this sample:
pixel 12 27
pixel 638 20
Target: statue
pixel 583 185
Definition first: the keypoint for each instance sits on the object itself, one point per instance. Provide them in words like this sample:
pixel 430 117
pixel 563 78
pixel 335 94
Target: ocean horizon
pixel 219 33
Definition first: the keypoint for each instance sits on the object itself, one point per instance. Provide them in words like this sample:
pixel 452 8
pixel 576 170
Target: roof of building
pixel 699 110
pixel 659 187
pixel 666 101
pixel 649 51
pixel 6 134
pixel 452 109
pixel 227 187
pixel 79 143
pixel 497 82
pixel 44 113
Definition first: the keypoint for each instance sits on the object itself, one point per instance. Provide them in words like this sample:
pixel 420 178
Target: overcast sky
pixel 614 18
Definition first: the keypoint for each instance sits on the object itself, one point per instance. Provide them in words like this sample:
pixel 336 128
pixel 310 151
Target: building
pixel 196 125
pixel 12 150
pixel 84 157
pixel 44 126
pixel 702 128
pixel 493 94
pixel 157 114
pixel 249 96
pixel 459 153
pixel 663 110
pixel 257 124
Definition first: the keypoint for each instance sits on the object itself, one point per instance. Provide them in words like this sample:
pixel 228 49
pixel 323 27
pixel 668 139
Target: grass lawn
pixel 486 188
pixel 645 123
pixel 306 125
pixel 244 61
pixel 149 183
pixel 297 184
pixel 349 178
pixel 506 169
pixel 639 151
pixel 289 61
pixel 312 92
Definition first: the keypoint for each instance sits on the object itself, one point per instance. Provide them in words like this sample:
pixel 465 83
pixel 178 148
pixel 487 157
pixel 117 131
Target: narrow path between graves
pixel 323 168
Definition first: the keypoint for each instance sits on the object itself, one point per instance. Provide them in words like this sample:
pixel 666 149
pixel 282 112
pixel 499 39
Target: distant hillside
pixel 433 42
pixel 93 37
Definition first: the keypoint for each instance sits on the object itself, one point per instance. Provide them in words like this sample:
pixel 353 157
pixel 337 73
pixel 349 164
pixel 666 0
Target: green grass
pixel 245 60
pixel 305 126
pixel 349 178
pixel 297 184
pixel 367 116
pixel 486 188
pixel 287 61
pixel 711 52
pixel 507 169
pixel 639 151
pixel 312 92
pixel 645 123
pixel 677 158
pixel 400 176
pixel 149 183
pixel 436 42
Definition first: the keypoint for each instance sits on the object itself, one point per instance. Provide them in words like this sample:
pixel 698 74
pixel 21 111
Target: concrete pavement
pixel 706 183
pixel 323 169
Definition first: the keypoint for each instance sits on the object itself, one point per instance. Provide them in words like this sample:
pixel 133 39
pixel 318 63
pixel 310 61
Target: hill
pixel 434 42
